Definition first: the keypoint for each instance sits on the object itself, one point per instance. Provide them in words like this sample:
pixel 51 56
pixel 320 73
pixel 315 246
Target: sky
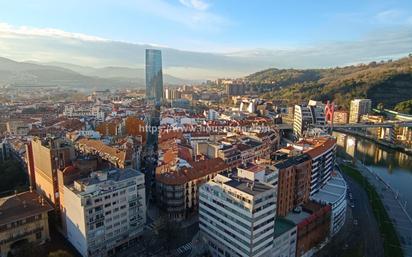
pixel 207 38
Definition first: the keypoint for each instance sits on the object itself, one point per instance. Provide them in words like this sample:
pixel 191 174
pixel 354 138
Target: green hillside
pixel 385 82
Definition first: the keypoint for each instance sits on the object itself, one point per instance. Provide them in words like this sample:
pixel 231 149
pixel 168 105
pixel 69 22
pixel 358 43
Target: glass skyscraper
pixel 154 75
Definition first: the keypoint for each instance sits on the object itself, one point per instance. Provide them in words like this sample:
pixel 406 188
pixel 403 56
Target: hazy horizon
pixel 206 39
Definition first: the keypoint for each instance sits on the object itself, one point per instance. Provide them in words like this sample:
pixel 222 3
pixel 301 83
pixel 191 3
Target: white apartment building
pixel 359 107
pixel 261 172
pixel 105 212
pixel 237 216
pixel 304 116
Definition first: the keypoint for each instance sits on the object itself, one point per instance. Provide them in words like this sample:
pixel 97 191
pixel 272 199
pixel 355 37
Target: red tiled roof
pixel 199 169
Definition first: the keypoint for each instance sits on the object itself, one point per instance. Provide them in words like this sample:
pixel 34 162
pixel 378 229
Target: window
pixel 38 235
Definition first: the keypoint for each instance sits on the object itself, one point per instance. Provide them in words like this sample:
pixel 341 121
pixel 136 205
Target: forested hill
pixel 385 82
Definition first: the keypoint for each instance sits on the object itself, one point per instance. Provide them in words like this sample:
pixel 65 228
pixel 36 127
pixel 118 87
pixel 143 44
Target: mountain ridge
pixel 387 82
pixel 75 76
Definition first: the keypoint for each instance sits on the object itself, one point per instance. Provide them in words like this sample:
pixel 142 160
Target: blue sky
pixel 243 27
pixel 217 25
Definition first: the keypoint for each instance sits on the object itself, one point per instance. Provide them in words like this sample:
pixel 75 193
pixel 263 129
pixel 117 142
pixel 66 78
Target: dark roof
pixel 282 225
pixel 20 206
pixel 292 161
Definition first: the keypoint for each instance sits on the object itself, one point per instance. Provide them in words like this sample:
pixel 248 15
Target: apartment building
pixel 359 107
pixel 177 187
pixel 23 218
pixel 105 212
pixel 322 151
pixel 44 158
pixel 229 153
pixel 120 156
pixel 306 115
pixel 237 216
pixel 293 183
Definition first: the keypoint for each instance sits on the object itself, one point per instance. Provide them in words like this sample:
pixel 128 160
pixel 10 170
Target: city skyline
pixel 205 128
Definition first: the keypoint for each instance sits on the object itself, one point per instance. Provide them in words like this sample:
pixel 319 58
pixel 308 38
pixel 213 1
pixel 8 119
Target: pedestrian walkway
pixel 393 205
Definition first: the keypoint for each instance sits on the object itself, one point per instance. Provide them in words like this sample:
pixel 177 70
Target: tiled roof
pixel 318 145
pixel 199 169
pixel 99 146
pixel 22 205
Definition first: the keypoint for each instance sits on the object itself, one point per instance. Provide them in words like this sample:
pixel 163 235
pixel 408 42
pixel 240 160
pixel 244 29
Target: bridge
pixel 374 125
pixel 396 115
pixel 388 124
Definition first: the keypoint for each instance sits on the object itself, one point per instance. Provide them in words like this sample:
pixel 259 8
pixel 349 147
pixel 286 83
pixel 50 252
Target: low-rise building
pixel 284 243
pixel 23 218
pixel 313 227
pixel 340 117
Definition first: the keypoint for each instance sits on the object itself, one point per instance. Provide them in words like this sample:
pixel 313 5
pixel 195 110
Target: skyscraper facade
pixel 154 75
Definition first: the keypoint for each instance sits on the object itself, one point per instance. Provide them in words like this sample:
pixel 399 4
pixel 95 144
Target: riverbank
pixel 376 141
pixel 394 223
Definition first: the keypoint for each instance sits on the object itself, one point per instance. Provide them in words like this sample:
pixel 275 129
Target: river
pixel 392 166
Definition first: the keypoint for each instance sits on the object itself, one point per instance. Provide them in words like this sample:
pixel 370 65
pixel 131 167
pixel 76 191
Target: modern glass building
pixel 154 76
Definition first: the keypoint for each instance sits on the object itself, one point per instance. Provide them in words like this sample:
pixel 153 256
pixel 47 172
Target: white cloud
pixel 196 4
pixel 7 30
pixel 48 45
pixel 392 16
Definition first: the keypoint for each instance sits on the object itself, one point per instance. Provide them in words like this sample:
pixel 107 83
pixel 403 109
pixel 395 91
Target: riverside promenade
pixel 395 207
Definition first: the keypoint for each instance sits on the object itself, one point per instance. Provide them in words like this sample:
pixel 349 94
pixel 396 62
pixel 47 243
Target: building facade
pixel 294 183
pixel 307 115
pixel 284 244
pixel 177 191
pixel 45 157
pixel 23 219
pixel 333 193
pixel 359 107
pixel 154 75
pixel 237 216
pixel 105 212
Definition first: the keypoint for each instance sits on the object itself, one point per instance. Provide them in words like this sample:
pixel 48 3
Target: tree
pixel 24 249
pixel 59 253
pixel 12 176
pixel 404 107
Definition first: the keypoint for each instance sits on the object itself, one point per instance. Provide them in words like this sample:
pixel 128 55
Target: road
pixel 368 226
